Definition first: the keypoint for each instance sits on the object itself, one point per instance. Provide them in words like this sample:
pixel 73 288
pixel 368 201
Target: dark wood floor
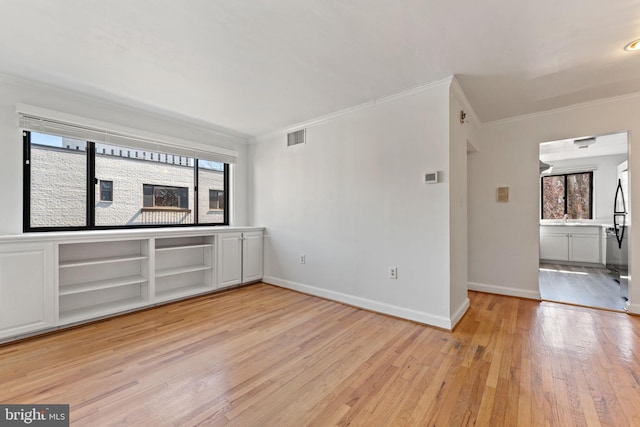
pixel 265 356
pixel 588 286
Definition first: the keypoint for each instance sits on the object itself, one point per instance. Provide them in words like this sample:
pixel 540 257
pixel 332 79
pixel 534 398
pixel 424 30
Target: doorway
pixel 584 221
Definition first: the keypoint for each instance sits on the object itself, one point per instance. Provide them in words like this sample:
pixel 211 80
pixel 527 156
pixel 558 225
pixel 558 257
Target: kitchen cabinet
pixel 575 243
pixel 554 246
pixel 26 288
pixel 239 258
pixel 584 248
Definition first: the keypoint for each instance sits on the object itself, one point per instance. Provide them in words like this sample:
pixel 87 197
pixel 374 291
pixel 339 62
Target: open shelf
pixel 103 278
pixel 100 284
pixel 183 246
pixel 184 291
pixel 181 270
pixel 99 310
pixel 98 279
pixel 98 261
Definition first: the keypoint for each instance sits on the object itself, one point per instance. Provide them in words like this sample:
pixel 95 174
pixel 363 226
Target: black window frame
pixel 566 191
pixel 102 191
pixel 91 183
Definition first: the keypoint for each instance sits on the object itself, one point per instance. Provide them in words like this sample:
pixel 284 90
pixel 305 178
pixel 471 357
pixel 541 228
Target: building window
pixel 216 199
pixel 62 192
pixel 162 196
pixel 106 191
pixel 567 194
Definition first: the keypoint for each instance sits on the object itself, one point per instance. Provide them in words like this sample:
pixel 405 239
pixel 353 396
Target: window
pixel 106 191
pixel 160 196
pixel 568 194
pixel 64 189
pixel 216 199
pixel 212 200
pixel 57 183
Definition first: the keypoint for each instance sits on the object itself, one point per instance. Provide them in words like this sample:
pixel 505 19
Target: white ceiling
pixel 604 145
pixel 255 66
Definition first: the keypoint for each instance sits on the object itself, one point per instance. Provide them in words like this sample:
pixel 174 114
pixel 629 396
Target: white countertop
pixel 573 224
pixel 130 233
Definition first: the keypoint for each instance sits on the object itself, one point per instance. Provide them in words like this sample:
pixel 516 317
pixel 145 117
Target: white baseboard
pixel 503 290
pixel 379 307
pixel 633 309
pixel 457 316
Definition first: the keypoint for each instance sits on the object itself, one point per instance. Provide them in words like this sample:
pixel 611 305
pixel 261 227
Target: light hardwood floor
pixel 265 356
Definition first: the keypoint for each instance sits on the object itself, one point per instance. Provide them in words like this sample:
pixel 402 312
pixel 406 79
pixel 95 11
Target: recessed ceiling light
pixel 634 45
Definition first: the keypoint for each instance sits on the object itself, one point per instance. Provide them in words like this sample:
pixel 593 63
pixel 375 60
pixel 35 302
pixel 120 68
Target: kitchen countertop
pixel 573 224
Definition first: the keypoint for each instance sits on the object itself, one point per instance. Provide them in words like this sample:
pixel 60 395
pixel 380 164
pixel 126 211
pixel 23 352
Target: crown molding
pixel 346 111
pixel 580 106
pixel 458 92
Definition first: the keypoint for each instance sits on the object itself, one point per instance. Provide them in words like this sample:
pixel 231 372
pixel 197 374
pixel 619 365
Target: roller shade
pixel 106 135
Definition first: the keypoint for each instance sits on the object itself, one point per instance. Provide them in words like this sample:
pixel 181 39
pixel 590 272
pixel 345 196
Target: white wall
pixel 605 179
pixel 461 135
pixel 354 201
pixel 503 237
pixel 13 90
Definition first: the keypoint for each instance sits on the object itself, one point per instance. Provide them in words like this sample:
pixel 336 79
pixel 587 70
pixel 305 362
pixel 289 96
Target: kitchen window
pixel 567 194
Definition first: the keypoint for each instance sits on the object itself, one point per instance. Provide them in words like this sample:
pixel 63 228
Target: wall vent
pixel 297 137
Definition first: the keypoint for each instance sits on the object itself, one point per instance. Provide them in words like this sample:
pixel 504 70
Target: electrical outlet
pixel 393 272
pixel 302 258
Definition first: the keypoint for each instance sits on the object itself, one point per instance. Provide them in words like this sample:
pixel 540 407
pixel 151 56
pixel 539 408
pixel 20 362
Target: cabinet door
pixel 252 256
pixel 584 248
pixel 229 259
pixel 26 288
pixel 554 247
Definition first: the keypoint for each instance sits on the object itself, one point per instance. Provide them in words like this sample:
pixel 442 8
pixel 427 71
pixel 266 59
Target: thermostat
pixel 431 177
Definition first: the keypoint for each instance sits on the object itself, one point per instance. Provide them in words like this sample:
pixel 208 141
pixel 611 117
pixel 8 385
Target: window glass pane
pixel 211 195
pixel 132 187
pixel 579 195
pixel 152 188
pixel 58 181
pixel 553 197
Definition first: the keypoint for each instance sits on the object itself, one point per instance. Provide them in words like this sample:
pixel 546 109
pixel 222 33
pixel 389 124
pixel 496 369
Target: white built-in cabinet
pixel 67 278
pixel 229 259
pixel 570 243
pixel 26 288
pixel 184 266
pixel 240 258
pixel 100 278
pixel 252 257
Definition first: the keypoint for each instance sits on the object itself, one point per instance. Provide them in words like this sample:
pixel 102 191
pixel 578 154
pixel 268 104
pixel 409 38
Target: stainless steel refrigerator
pixel 617 238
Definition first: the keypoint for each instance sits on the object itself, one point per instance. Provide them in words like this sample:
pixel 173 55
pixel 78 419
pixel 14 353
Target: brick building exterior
pixel 58 187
